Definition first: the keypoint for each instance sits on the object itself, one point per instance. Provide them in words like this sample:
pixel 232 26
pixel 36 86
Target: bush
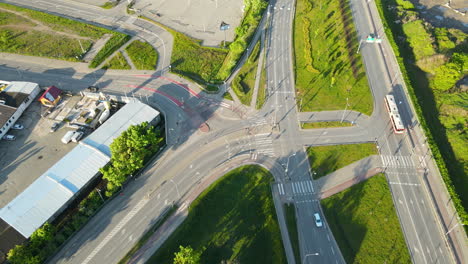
pixel 113 44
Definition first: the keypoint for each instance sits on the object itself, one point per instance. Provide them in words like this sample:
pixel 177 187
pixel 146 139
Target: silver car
pixel 318 221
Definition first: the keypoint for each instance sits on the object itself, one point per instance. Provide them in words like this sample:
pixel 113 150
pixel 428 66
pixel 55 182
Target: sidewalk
pixel 352 117
pixel 346 177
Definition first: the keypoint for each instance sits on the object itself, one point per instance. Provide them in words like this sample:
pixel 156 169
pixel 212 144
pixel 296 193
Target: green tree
pixel 186 255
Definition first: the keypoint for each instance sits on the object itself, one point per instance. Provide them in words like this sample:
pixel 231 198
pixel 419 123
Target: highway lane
pixel 423 234
pixel 317 245
pixel 287 146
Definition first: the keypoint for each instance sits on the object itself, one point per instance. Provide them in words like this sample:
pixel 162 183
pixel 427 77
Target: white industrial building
pixel 50 194
pixel 15 97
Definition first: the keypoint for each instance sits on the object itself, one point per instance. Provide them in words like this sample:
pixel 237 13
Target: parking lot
pixel 34 151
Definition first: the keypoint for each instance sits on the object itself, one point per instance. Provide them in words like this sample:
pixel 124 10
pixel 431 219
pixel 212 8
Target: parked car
pixel 93 89
pixel 67 137
pixel 77 136
pixel 318 221
pixel 9 137
pixel 17 126
pixel 54 127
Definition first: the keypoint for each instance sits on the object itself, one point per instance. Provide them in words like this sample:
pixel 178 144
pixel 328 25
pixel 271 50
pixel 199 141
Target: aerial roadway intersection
pixel 208 136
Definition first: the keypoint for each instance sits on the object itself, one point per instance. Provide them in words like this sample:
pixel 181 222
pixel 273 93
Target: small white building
pixel 15 97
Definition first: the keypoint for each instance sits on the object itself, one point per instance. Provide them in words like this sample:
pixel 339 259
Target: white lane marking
pixel 116 229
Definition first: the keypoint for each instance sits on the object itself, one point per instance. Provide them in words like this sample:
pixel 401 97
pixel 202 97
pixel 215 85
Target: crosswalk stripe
pixel 311 186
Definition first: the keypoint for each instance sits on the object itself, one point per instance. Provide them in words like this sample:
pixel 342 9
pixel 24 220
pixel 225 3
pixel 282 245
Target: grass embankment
pixel 32 33
pixel 431 82
pixel 143 55
pixel 118 62
pixel 227 96
pixel 232 220
pixel 327 159
pixel 192 60
pixel 244 83
pixel 253 10
pixel 328 70
pixel 313 125
pixel 291 222
pixel 261 96
pixel 365 224
pixel 112 45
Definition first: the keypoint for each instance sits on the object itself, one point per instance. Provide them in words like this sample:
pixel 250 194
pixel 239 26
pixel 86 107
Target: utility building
pixel 15 97
pixel 53 191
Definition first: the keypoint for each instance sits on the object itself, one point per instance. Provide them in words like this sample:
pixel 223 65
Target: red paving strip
pixel 174 100
pixel 172 81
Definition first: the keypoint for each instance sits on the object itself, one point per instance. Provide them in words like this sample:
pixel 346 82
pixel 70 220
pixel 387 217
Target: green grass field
pixel 327 67
pixel 61 24
pixel 38 43
pixel 143 55
pixel 118 62
pixel 365 224
pixel 419 39
pixel 244 83
pixel 31 32
pixel 327 159
pixel 313 125
pixel 192 60
pixel 233 219
pixel 291 222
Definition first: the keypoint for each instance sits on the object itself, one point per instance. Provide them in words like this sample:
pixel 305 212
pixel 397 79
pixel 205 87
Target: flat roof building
pixel 15 97
pixel 51 193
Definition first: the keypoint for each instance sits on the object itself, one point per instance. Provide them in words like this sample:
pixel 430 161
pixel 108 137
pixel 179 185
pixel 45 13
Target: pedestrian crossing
pixel 264 144
pixel 297 188
pixel 397 161
pixel 302 187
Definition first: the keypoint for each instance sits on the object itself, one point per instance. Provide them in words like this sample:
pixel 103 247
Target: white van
pixel 67 137
pixel 76 136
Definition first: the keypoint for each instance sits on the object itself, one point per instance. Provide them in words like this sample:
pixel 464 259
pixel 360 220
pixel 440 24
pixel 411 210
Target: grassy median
pixel 244 83
pixel 328 70
pixel 365 225
pixel 118 62
pixel 143 55
pixel 327 159
pixel 232 220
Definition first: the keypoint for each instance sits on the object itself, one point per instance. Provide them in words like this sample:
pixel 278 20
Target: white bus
pixel 395 117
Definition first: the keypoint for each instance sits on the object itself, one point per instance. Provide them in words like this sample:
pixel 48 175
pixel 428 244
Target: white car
pixel 17 126
pixel 77 136
pixel 318 221
pixel 9 137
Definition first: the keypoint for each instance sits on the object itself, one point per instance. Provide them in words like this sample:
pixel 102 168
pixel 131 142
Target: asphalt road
pixel 273 132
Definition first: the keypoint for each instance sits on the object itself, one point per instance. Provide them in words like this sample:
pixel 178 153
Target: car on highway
pixel 9 137
pixel 318 221
pixel 17 126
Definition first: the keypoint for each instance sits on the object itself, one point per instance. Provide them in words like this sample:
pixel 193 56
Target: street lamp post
pixel 312 254
pixel 451 229
pixel 346 108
